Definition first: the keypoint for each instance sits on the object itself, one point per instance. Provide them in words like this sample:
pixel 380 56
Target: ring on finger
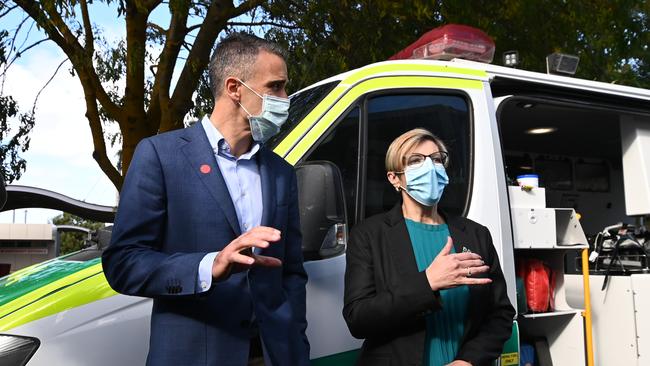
pixel 469 271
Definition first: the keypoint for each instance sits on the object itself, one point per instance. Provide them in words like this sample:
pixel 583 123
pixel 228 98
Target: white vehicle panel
pixel 112 331
pixel 326 329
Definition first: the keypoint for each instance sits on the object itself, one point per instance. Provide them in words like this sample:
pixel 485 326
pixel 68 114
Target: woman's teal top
pixel 445 327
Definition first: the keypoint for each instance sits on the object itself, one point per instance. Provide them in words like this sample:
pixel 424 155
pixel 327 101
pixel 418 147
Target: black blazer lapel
pixel 457 233
pixel 198 152
pixel 463 242
pixel 268 187
pixel 399 241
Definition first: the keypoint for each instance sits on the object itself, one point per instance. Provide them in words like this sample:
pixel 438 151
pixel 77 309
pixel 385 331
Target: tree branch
pixel 194 27
pixel 9 9
pixel 20 53
pixel 97 131
pixel 29 31
pixel 64 30
pixel 136 42
pixel 74 51
pixel 187 46
pixel 88 29
pixel 251 24
pixel 175 35
pixel 156 27
pixel 12 44
pixel 46 84
pixel 246 6
pixel 151 5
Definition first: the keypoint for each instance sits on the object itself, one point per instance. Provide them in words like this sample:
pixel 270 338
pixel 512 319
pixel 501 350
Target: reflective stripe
pixel 25 281
pixel 396 82
pixel 404 69
pixel 84 291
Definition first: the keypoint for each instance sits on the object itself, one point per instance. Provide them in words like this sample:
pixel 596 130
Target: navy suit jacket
pixel 173 212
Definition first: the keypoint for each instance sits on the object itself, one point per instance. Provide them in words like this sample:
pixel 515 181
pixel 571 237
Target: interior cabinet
pixel 548 234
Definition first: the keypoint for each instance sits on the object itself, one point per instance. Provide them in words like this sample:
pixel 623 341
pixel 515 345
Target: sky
pixel 60 153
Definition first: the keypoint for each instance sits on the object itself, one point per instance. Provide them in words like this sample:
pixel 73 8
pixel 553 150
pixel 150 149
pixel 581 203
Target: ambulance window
pixel 341 147
pixel 447 116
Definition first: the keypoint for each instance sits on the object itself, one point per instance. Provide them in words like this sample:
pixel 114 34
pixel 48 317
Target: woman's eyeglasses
pixel 417 160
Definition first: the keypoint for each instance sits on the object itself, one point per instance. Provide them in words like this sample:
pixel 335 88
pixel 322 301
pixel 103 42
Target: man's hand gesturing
pixel 238 255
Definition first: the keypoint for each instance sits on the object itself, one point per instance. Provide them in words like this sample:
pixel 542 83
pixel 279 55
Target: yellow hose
pixel 587 312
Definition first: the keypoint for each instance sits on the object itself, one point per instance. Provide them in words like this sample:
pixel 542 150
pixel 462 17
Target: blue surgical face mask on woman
pixel 426 183
pixel 275 111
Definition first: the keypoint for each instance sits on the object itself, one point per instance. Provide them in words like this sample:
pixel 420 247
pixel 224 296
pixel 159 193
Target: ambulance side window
pixel 341 147
pixel 445 115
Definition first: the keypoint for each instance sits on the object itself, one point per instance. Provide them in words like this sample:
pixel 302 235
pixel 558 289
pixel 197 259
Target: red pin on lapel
pixel 205 169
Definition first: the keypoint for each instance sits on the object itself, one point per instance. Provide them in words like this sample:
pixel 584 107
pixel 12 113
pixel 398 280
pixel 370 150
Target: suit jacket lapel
pixel 199 153
pixel 268 187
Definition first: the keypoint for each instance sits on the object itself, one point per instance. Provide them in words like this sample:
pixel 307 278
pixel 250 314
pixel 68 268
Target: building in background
pixel 22 245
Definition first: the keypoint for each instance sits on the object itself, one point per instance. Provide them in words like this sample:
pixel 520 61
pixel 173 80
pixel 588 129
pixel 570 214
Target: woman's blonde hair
pixel 405 143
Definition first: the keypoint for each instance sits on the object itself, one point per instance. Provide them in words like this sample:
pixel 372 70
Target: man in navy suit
pixel 208 224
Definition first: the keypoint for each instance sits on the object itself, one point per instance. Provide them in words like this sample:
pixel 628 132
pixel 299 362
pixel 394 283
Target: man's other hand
pixel 238 255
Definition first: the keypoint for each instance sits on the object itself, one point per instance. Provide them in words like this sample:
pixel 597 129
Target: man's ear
pixel 231 88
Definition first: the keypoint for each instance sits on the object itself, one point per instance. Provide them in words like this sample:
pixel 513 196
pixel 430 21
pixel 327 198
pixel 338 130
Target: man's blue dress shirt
pixel 242 176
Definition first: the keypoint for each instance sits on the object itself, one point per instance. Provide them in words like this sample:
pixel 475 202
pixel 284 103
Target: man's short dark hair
pixel 235 56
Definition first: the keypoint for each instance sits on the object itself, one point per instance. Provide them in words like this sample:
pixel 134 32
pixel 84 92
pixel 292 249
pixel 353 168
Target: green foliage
pixel 14 126
pixel 203 102
pixel 72 242
pixel 328 37
pixel 611 37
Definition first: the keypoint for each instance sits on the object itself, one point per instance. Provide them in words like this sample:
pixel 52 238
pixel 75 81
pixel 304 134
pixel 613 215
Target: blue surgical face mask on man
pixel 275 111
pixel 426 183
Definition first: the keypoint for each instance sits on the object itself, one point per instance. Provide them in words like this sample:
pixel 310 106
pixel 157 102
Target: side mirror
pixel 322 210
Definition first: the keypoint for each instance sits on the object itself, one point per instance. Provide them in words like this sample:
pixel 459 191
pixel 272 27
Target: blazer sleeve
pixel 134 263
pixel 370 312
pixel 488 343
pixel 294 275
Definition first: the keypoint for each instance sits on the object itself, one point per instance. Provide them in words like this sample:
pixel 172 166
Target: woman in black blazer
pixel 421 287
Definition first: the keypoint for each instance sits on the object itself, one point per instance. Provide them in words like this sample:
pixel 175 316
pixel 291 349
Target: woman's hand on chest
pixel 449 270
pixel 459 363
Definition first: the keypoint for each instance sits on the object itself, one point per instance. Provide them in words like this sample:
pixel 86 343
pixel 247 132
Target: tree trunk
pixel 130 140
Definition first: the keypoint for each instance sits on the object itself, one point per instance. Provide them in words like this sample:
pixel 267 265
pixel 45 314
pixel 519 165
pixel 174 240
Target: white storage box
pixel 535 198
pixel 546 228
pixel 534 227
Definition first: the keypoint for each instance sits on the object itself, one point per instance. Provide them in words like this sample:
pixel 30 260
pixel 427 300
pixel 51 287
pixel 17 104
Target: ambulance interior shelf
pixel 538 227
pixel 544 236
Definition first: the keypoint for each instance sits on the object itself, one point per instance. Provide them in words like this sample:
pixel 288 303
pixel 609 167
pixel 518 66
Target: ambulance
pixel 586 142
